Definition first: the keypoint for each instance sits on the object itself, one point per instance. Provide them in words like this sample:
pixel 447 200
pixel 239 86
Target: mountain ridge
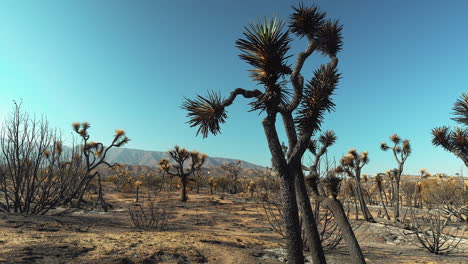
pixel 151 158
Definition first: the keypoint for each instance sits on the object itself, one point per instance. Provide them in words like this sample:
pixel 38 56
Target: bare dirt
pixel 206 229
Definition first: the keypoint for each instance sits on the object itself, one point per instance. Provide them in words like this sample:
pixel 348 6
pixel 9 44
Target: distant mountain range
pixel 151 158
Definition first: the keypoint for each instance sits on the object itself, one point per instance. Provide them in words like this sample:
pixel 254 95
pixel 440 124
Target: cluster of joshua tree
pixel 265 47
pixel 37 173
pixel 301 105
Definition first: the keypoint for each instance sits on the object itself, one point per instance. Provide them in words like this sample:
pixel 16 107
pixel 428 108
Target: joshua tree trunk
pixel 100 198
pixel 336 207
pixel 396 205
pixel 137 189
pixel 365 211
pixel 352 244
pixel 356 209
pixel 308 219
pixel 313 237
pixel 288 193
pixel 183 198
pixel 401 150
pixel 392 193
pixel 383 205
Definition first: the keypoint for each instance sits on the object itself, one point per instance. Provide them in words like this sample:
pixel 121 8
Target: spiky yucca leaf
pixel 265 47
pixel 121 141
pixel 455 141
pixel 85 125
pixel 348 160
pixel 198 159
pixel 306 21
pixel 119 132
pixel 441 137
pixel 313 146
pixel 384 146
pixel 164 164
pixel 332 184
pixel 379 180
pixel 179 154
pixel 330 38
pixel 275 94
pixel 328 138
pixel 406 147
pixel 461 109
pixel 76 126
pixel 353 152
pixel 364 157
pixel 460 138
pixel 206 113
pixel 395 138
pixel 317 98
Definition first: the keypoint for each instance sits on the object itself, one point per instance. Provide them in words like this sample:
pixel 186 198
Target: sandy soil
pixel 206 229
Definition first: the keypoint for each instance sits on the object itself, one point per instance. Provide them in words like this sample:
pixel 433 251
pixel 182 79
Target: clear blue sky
pixel 128 64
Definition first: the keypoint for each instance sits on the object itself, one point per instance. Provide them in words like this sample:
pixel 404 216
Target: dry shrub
pixel 433 233
pixel 269 206
pixel 447 195
pixel 123 183
pixel 149 214
pixel 408 189
pixel 330 235
pixel 153 181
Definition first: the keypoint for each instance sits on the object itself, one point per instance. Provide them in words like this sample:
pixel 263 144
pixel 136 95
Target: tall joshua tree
pixel 455 140
pixel 327 196
pixel 352 164
pixel 180 156
pixel 401 150
pixel 94 155
pixel 265 47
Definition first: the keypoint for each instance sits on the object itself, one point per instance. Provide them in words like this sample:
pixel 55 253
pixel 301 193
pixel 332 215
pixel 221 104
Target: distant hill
pixel 151 158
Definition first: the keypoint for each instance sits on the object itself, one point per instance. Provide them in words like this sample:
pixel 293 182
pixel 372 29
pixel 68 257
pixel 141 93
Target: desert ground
pixel 206 229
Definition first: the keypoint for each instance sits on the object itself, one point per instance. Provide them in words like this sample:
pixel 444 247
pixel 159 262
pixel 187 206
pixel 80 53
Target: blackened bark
pixel 308 219
pixel 338 212
pixel 365 211
pixel 288 194
pixel 183 198
pixel 310 225
pixel 383 205
pixel 396 206
pixel 336 207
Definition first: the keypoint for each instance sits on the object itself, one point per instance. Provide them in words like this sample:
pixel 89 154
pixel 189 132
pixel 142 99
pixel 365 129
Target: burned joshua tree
pixel 324 190
pixel 93 154
pixel 352 164
pixel 265 47
pixel 401 150
pixel 180 156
